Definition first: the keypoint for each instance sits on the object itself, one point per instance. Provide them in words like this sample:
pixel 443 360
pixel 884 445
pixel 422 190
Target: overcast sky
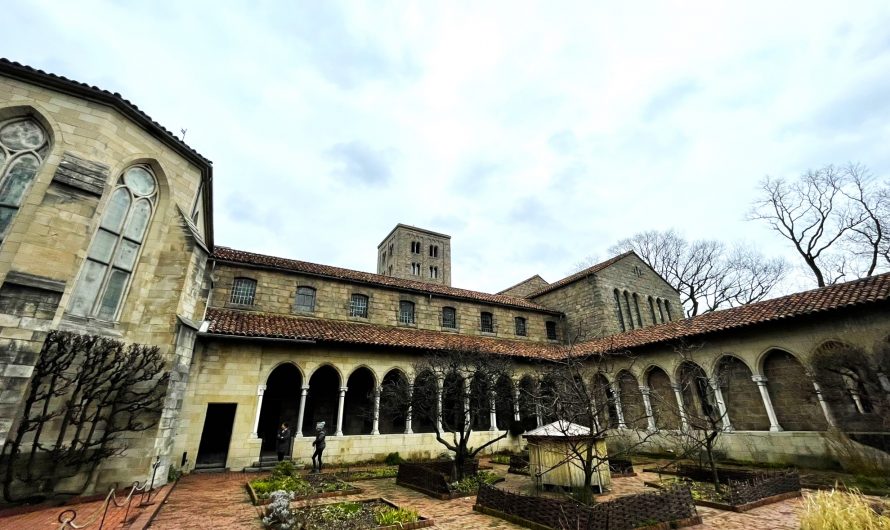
pixel 534 133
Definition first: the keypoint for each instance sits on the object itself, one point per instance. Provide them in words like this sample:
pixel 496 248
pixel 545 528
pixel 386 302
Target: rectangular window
pixel 406 312
pixel 551 330
pixel 449 318
pixel 486 322
pixel 520 326
pixel 358 306
pixel 305 299
pixel 243 291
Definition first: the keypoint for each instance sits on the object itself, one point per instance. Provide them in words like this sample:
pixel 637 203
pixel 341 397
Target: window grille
pixel 406 312
pixel 305 299
pixel 243 291
pixel 449 318
pixel 520 327
pixel 486 322
pixel 358 306
pixel 551 330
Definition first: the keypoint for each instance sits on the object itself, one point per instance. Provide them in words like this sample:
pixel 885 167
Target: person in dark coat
pixel 319 445
pixel 283 442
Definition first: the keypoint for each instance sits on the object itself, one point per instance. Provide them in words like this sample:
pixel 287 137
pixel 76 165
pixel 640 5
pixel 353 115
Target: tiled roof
pixel 580 275
pixel 249 258
pixel 831 298
pixel 247 324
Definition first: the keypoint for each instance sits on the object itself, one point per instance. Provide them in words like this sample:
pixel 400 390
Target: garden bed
pixel 379 514
pixel 757 489
pixel 433 480
pixel 653 511
pixel 519 465
pixel 368 474
pixel 621 468
pixel 304 487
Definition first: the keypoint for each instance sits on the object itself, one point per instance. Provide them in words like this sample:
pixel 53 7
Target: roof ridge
pixel 517 284
pixel 571 278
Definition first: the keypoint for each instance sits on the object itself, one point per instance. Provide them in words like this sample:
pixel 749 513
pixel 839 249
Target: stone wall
pixel 527 287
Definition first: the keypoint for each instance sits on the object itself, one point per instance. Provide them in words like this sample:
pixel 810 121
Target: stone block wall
pixel 395 256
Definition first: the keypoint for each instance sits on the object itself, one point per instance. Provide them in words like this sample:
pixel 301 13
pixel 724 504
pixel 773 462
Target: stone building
pixel 106 226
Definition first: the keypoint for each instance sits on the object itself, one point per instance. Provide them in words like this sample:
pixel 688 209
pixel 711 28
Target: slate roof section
pixel 847 295
pixel 579 275
pixel 248 324
pixel 230 255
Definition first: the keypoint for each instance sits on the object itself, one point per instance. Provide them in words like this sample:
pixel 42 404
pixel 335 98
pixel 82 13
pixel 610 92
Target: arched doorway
pixel 394 403
pixel 358 410
pixel 632 401
pixel 792 393
pixel 661 395
pixel 744 405
pixel 322 400
pixel 281 404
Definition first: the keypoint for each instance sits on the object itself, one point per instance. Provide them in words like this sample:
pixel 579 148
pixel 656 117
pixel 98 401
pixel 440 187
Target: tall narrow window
pixel 415 269
pixel 667 309
pixel 243 291
pixel 305 299
pixel 660 309
pixel 520 327
pixel 486 322
pixel 618 310
pixel 358 306
pixel 637 309
pixel 23 145
pixel 630 314
pixel 114 251
pixel 406 312
pixel 652 310
pixel 449 318
pixel 551 330
pixel 434 272
pixel 434 251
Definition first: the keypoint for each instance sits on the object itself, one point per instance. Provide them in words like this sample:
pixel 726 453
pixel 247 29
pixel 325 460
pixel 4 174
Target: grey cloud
pixel 360 164
pixel 867 102
pixel 670 97
pixel 477 174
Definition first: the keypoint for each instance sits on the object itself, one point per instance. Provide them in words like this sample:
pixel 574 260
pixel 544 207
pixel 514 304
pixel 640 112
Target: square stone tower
pixel 414 253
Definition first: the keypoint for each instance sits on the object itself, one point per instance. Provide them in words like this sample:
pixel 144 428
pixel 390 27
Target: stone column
pixel 410 409
pixel 468 418
pixel 539 419
pixel 596 414
pixel 829 417
pixel 721 404
pixel 303 393
pixel 340 405
pixel 493 411
pixel 678 393
pixel 438 407
pixel 647 404
pixel 618 408
pixel 516 415
pixel 767 402
pixel 260 390
pixel 885 382
pixel 375 426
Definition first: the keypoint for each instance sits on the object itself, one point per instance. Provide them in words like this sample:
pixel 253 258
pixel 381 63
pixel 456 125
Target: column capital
pixel 260 390
pixel 305 387
pixel 645 389
pixel 676 387
pixel 759 379
pixel 343 389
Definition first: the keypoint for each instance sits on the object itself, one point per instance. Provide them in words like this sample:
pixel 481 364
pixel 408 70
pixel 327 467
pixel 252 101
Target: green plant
pixel 284 468
pixel 470 484
pixel 393 459
pixel 838 510
pixel 173 474
pixel 500 459
pixel 385 516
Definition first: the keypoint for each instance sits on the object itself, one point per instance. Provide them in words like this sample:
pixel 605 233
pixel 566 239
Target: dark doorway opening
pixel 281 404
pixel 216 436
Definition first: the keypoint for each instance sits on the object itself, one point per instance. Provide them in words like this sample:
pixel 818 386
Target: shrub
pixel 838 510
pixel 470 484
pixel 501 459
pixel 385 516
pixel 284 468
pixel 279 515
pixel 393 459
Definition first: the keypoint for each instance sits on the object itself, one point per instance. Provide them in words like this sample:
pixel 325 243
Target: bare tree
pixel 707 275
pixel 834 217
pixel 459 400
pixel 584 263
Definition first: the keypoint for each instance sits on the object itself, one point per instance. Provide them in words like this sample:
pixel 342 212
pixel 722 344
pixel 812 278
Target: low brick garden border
pixel 257 501
pixel 750 490
pixel 671 509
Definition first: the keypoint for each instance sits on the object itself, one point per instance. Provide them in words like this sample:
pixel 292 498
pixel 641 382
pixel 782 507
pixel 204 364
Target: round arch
pixel 374 377
pixel 333 367
pixel 606 408
pixel 394 402
pixel 792 392
pixel 631 400
pixel 424 402
pixel 281 403
pixel 744 405
pixel 281 363
pixel 661 396
pixel 323 399
pixel 850 385
pixel 358 409
pixel 528 395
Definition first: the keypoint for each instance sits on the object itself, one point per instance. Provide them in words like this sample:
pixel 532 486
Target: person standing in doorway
pixel 283 442
pixel 319 445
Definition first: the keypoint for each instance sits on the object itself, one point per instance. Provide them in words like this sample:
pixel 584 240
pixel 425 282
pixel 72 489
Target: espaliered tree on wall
pixel 86 393
pixel 461 398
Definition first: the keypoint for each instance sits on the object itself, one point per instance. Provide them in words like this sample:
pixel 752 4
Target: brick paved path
pixel 221 501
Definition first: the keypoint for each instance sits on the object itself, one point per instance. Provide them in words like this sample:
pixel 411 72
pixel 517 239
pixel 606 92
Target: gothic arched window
pixel 23 145
pixel 116 246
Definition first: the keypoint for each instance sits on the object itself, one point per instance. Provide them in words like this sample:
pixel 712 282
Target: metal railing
pixel 68 517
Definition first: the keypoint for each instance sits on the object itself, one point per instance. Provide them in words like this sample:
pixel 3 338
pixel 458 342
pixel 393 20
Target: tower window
pixel 520 326
pixel 415 269
pixel 358 306
pixel 618 310
pixel 415 247
pixel 551 330
pixel 406 312
pixel 486 322
pixel 434 272
pixel 434 251
pixel 243 291
pixel 305 299
pixel 449 318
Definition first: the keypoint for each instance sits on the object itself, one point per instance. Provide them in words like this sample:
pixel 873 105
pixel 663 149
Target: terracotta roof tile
pixel 248 324
pixel 249 258
pixel 579 275
pixel 830 298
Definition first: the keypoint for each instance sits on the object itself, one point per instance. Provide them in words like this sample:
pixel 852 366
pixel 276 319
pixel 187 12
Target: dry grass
pixel 839 510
